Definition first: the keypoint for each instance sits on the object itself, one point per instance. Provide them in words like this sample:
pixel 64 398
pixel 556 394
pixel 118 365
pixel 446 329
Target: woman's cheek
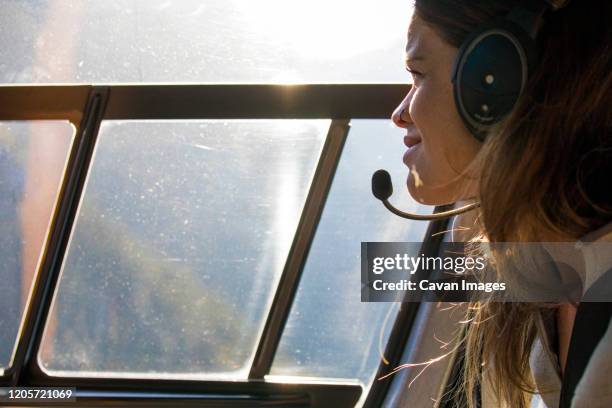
pixel 421 114
pixel 416 110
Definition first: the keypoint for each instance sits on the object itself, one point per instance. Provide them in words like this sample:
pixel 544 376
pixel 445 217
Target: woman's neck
pixel 463 226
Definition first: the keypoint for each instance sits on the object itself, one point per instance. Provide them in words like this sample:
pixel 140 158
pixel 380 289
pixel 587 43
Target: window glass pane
pixel 330 332
pixel 203 41
pixel 180 239
pixel 32 160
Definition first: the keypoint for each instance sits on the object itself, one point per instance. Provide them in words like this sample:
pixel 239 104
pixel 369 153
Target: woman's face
pixel 439 146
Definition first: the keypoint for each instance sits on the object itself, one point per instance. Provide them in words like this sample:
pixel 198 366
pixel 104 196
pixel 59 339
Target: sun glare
pixel 324 29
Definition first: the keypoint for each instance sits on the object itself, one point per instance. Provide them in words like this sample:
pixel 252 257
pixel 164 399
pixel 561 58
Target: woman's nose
pixel 400 115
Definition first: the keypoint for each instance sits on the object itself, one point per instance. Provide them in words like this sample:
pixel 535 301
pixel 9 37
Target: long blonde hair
pixel 544 174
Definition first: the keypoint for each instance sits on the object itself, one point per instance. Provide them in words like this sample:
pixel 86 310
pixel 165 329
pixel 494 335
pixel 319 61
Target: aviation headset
pixel 494 63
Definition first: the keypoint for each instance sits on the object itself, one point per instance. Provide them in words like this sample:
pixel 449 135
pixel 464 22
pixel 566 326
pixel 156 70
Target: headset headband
pixel 557 4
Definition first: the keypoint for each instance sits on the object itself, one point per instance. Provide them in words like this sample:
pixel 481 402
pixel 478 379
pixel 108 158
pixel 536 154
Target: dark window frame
pixel 86 106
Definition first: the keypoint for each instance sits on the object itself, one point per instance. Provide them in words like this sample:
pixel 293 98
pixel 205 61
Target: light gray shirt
pixel 595 387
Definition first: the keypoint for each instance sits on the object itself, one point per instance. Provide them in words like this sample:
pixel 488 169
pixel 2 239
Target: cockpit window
pixel 215 41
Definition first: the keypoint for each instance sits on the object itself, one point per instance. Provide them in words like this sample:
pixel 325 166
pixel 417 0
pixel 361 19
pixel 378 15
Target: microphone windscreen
pixel 382 188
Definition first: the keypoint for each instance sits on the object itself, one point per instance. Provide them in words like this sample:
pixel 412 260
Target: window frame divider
pixel 47 275
pixel 296 258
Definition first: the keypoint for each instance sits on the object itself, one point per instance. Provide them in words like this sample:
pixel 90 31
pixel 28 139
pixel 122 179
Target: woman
pixel 540 175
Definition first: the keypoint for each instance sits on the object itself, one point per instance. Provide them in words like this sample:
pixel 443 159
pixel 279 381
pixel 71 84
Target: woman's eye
pixel 415 74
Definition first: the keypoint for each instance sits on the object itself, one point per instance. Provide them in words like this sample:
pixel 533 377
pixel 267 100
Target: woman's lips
pixel 412 142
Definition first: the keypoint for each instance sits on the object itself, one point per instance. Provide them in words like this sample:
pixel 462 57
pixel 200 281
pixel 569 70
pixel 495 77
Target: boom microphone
pixel 382 188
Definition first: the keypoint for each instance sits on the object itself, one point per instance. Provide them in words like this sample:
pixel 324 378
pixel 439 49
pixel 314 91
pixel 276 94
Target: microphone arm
pixel 429 217
pixel 382 188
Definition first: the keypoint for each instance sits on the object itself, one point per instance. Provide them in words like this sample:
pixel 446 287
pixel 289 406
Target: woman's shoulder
pixel 595 387
pixel 596 248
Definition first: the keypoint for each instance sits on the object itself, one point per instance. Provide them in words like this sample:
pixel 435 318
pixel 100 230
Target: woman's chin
pixel 422 194
pixel 417 190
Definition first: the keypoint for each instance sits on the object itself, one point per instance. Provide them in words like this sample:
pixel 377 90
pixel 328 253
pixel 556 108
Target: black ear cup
pixel 490 73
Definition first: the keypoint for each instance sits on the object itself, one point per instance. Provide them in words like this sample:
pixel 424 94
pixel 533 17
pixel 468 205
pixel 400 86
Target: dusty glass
pixel 277 41
pixel 179 242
